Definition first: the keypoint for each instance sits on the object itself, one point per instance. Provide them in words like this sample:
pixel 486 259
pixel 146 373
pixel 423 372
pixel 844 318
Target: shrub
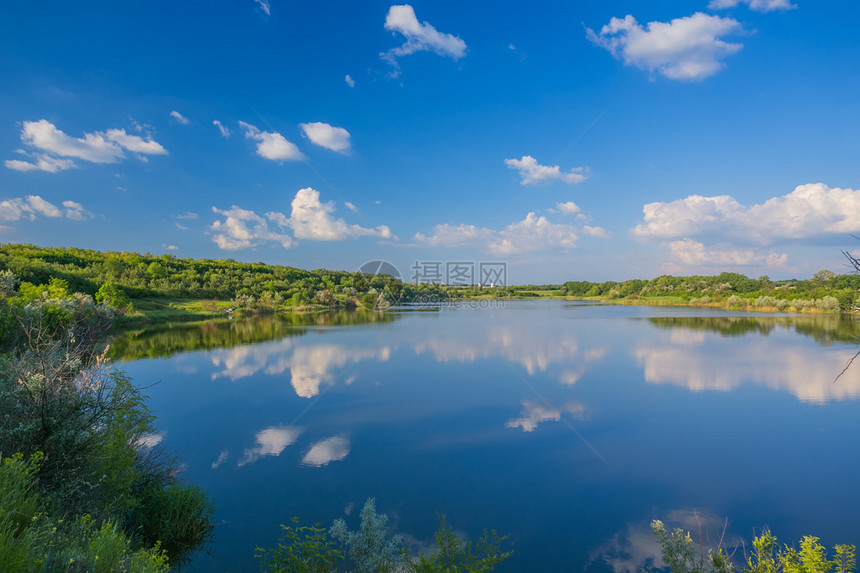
pixel 828 304
pixel 301 549
pixel 369 549
pixel 735 301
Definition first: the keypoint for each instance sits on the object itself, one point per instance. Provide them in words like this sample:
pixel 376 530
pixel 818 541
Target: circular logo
pixel 378 284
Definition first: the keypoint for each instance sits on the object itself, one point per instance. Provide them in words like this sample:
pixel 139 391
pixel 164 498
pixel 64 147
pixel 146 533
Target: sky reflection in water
pixel 569 427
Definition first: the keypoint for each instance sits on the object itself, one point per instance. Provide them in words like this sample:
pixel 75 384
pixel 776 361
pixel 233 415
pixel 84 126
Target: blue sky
pixel 570 140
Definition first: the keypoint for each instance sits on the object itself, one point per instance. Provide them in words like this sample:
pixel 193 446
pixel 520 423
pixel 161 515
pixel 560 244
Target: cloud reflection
pixel 310 365
pixel 721 364
pixel 533 350
pixel 270 442
pixel 533 414
pixel 633 548
pixel 326 451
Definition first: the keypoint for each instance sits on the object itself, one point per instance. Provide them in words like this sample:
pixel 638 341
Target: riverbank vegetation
pixel 370 549
pixel 84 485
pixel 147 288
pixel 681 555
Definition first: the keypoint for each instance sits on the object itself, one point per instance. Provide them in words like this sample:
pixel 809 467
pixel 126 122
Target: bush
pixel 80 421
pixel 178 516
pixel 735 301
pixel 370 550
pixel 301 549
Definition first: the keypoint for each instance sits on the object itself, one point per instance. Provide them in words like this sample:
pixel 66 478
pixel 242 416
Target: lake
pixel 567 426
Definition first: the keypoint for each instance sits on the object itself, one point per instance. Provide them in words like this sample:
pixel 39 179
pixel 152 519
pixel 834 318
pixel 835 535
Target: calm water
pixel 569 427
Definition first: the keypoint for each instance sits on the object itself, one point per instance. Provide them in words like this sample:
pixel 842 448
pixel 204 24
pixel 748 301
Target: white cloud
pixel 135 143
pixel 170 247
pixel 531 234
pixel 569 208
pixel 810 210
pixel 243 229
pixel 225 133
pixel 533 414
pixel 43 163
pixel 150 440
pixel 271 442
pixel 311 219
pixel 532 173
pixel 349 81
pixel 75 211
pixel 179 117
pixel 420 37
pixel 325 135
pixel 30 207
pixel 686 48
pixel 326 451
pixel 596 232
pixel 222 457
pixel 272 145
pixel 97 147
pixel 264 6
pixel 350 206
pixel 690 252
pixel 756 5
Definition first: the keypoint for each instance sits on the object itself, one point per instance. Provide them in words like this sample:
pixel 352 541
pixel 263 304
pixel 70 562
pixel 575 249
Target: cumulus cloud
pixel 326 451
pixel 32 206
pixel 596 232
pixel 531 234
pixel 328 136
pixel 271 442
pixel 420 37
pixel 310 219
pixel 569 208
pixel 756 5
pixel 533 414
pixel 532 173
pixel 243 229
pixel 686 48
pixel 271 144
pixel 692 253
pixel 225 133
pixel 810 210
pixel 179 117
pixel 98 147
pixel 349 81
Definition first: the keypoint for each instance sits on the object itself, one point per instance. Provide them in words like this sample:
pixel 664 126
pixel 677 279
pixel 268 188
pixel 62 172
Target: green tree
pixel 113 296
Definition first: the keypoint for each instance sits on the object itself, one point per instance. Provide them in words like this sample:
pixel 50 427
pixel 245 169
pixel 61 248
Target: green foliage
pixel 80 422
pixel 679 553
pixel 459 556
pixel 30 540
pixel 138 276
pixel 113 296
pixel 179 516
pixel 369 550
pixel 301 549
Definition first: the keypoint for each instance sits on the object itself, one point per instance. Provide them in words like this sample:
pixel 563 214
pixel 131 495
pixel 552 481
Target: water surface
pixel 567 426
